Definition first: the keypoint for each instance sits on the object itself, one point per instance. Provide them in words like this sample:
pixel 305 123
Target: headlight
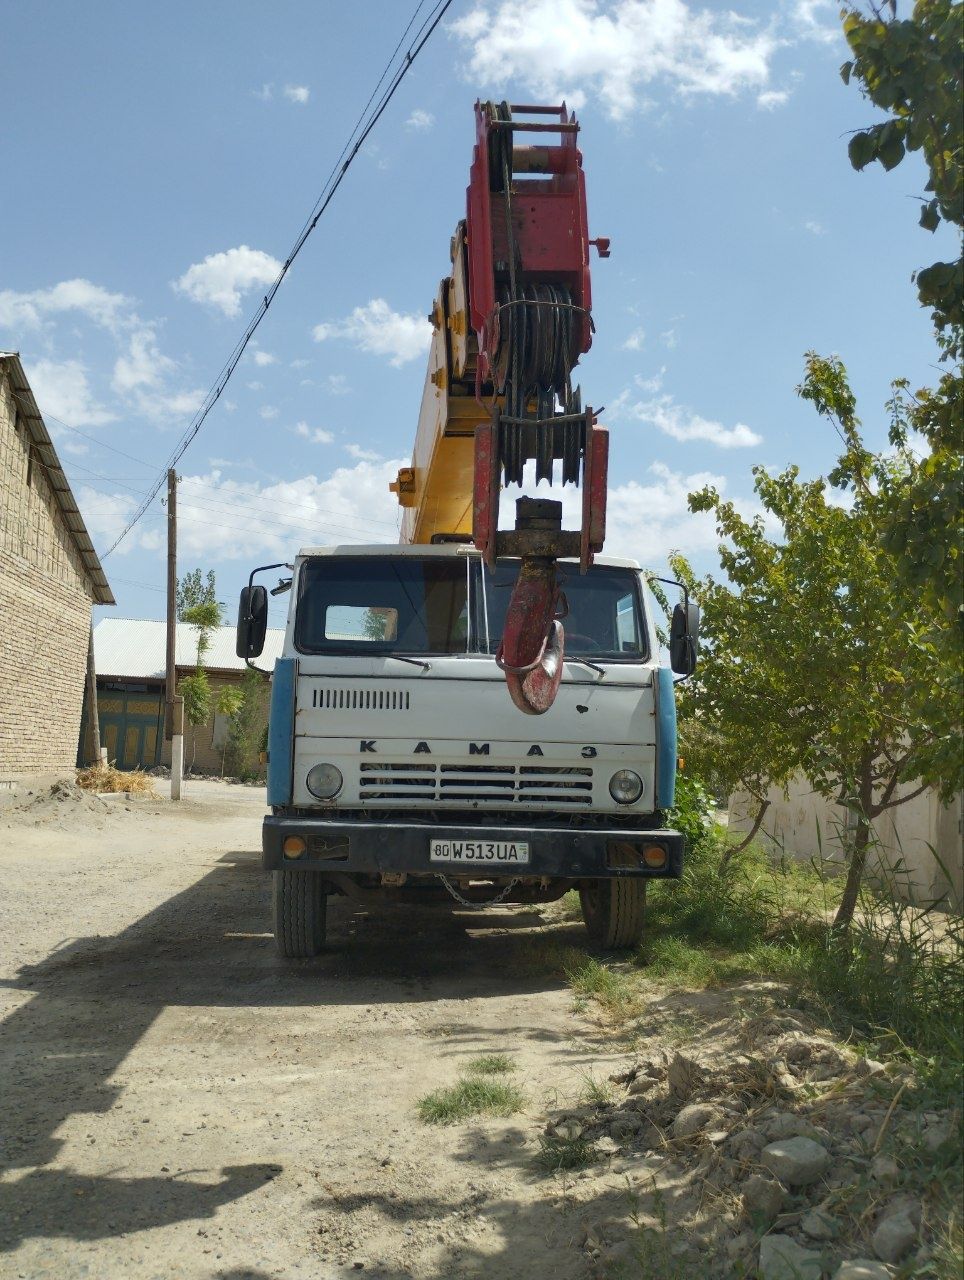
pixel 324 781
pixel 625 787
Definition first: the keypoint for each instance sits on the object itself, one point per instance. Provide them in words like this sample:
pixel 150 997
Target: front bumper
pixel 370 848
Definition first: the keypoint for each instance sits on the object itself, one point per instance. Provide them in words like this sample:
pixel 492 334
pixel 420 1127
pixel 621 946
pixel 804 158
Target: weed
pixel 611 988
pixel 597 1093
pixel 491 1064
pixel 557 1152
pixel 471 1096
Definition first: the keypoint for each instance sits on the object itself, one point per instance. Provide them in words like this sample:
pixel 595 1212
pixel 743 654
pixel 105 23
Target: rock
pixel 694 1118
pixel 796 1161
pixel 642 1084
pixel 685 1076
pixel 762 1197
pixel 861 1269
pixel 747 1144
pixel 781 1258
pixel 820 1225
pixel 605 1146
pixel 787 1125
pixel 884 1170
pixel 870 1067
pixel 936 1134
pixel 894 1237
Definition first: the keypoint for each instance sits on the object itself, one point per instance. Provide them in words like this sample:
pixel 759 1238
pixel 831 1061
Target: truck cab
pixel 399 769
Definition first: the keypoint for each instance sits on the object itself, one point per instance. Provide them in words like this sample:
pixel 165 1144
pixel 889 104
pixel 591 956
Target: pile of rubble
pixel 789 1146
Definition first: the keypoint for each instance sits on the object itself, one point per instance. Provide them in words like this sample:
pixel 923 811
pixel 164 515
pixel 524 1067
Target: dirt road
pixel 178 1101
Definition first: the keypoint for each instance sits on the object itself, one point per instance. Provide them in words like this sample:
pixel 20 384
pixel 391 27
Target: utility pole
pixel 171 603
pixel 93 719
pixel 173 706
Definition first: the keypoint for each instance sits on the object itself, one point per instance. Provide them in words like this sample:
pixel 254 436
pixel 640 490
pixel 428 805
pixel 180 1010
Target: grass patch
pixel 597 1093
pixel 613 989
pixel 491 1064
pixel 557 1152
pixel 471 1096
pixel 104 777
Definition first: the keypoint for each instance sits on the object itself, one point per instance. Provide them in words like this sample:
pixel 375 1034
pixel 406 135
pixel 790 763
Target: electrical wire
pixel 342 166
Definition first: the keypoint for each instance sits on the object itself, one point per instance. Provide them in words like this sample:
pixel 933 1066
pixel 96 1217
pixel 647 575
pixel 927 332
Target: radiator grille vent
pixel 328 699
pixel 564 786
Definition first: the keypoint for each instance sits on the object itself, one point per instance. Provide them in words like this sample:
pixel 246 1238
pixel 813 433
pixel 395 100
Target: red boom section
pixel 530 306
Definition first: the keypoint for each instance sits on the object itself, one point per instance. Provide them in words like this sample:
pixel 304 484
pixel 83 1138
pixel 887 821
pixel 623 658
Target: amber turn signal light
pixel 654 855
pixel 294 846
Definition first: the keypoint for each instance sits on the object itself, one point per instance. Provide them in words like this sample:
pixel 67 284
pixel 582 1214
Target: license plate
pixel 504 852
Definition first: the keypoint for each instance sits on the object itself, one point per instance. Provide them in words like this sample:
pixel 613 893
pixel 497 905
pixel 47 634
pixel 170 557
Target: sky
pixel 160 161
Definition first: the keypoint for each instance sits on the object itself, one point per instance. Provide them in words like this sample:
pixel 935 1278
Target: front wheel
pixel 614 912
pixel 300 910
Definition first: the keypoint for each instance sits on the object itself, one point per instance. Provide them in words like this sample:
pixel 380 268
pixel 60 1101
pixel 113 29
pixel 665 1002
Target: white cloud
pixel 164 406
pixel 221 279
pixel 315 435
pixel 420 120
pixel 268 412
pixel 635 341
pixel 299 93
pixel 363 455
pixel 338 385
pixel 224 518
pixel 265 93
pixel 815 228
pixel 817 20
pixel 685 425
pixel 615 51
pixel 255 385
pixel 62 390
pixel 299 364
pixel 772 98
pixel 263 358
pixel 669 338
pixel 29 310
pixel 142 365
pixel 376 328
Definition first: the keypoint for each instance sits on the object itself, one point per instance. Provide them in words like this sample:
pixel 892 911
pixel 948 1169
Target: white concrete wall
pixel 804 825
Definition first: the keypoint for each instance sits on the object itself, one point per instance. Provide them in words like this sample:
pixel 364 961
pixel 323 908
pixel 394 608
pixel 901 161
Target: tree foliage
pixel 913 69
pixel 193 590
pixel 816 664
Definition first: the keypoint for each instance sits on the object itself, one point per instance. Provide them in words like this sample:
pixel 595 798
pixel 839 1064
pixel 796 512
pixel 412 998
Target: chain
pixel 465 902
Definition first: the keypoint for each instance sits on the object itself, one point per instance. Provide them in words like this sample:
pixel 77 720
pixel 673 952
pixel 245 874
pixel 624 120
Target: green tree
pixel 198 606
pixel 912 70
pixel 814 663
pixel 193 590
pixel 248 726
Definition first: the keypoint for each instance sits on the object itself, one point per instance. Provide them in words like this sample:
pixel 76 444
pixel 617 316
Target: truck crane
pixel 397 770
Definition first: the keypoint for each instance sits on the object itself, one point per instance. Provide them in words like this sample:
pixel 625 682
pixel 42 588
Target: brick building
pixel 129 657
pixel 49 578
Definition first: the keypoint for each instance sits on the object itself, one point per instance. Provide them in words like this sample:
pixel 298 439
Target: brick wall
pixel 44 612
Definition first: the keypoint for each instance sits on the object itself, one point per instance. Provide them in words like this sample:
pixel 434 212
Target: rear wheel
pixel 300 909
pixel 614 912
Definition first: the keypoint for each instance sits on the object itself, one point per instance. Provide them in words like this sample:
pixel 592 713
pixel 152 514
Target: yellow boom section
pixel 435 492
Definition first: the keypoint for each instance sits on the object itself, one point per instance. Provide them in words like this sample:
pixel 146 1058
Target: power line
pixel 96 440
pixel 322 203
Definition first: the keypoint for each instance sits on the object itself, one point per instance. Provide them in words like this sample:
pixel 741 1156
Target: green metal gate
pixel 131 725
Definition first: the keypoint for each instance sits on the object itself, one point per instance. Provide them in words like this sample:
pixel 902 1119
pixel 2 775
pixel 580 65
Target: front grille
pixel 564 786
pixel 330 699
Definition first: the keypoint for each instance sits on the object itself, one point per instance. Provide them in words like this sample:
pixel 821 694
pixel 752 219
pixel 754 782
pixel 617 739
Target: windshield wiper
pixel 568 657
pixel 416 662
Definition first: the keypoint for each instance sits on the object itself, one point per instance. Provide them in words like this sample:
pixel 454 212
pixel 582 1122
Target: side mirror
pixel 684 635
pixel 252 622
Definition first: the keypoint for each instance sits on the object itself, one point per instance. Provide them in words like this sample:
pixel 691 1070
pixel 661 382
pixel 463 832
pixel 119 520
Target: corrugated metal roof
pixel 133 648
pixel 47 454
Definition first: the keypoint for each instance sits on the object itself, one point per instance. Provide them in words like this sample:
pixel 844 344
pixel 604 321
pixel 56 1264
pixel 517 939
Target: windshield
pixel 375 604
pixel 413 605
pixel 602 609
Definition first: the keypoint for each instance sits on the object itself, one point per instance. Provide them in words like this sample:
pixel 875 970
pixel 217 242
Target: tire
pixel 300 910
pixel 614 912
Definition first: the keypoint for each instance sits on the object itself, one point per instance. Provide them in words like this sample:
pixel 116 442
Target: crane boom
pixel 509 325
